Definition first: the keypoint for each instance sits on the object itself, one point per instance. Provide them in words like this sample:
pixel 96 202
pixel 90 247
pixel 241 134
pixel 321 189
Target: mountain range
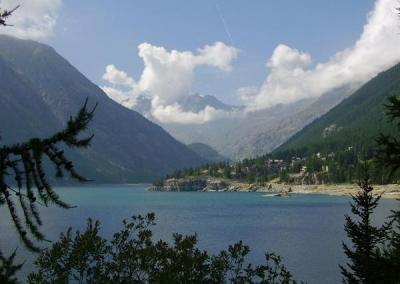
pixel 356 122
pixel 330 149
pixel 246 134
pixel 40 90
pixel 191 103
pixel 257 133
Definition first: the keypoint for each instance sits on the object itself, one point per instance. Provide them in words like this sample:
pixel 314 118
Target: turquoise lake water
pixel 306 230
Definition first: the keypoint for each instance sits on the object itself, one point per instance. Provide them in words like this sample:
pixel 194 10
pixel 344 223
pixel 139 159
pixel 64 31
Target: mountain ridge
pixel 355 122
pixel 127 147
pixel 206 152
pixel 258 132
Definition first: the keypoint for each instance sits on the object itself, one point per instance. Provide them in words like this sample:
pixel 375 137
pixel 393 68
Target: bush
pixel 132 256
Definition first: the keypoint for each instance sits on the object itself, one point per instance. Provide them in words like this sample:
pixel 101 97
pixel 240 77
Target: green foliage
pixel 339 167
pixel 388 150
pixel 355 122
pixel 333 156
pixel 132 256
pixel 375 257
pixel 365 262
pixel 8 269
pixel 249 170
pixel 24 163
pixel 391 251
pixel 388 154
pixel 375 253
pixel 76 257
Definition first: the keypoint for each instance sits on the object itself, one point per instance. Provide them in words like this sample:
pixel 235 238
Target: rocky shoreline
pixel 207 184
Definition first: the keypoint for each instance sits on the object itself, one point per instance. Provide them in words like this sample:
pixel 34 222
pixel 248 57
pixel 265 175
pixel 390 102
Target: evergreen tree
pixel 4 14
pixel 227 171
pixel 365 261
pixel 388 156
pixel 8 268
pixel 388 151
pixel 391 252
pixel 23 163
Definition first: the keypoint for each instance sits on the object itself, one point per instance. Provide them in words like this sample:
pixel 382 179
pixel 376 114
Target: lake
pixel 306 230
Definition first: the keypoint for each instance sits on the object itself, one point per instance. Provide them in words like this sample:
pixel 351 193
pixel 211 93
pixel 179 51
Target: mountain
pixel 40 90
pixel 330 149
pixel 191 103
pixel 354 123
pixel 243 134
pixel 207 153
pixel 259 132
pixel 197 103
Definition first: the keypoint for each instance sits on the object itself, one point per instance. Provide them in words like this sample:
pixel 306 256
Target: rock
pixel 209 184
pixel 193 184
pixel 215 185
pixel 186 184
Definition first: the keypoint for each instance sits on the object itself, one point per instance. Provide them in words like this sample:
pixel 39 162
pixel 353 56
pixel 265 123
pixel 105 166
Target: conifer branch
pixel 388 146
pixel 5 14
pixel 31 181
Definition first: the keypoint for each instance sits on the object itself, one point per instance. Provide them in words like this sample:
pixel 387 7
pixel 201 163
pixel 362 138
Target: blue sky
pixel 92 34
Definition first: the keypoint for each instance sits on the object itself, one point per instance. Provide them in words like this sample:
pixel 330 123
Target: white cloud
pixel 117 77
pixel 291 77
pixel 169 74
pixel 287 58
pixel 34 19
pixel 218 55
pixel 246 94
pixel 175 114
pixel 167 78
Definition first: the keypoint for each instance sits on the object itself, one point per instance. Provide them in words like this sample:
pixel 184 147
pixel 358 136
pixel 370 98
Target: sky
pixel 256 53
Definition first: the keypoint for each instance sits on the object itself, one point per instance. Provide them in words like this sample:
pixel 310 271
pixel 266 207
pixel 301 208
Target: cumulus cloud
pixel 293 76
pixel 117 77
pixel 167 78
pixel 285 57
pixel 34 19
pixel 174 113
pixel 169 74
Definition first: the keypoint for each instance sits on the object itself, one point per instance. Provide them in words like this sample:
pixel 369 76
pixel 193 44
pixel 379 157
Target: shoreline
pixel 207 184
pixel 389 191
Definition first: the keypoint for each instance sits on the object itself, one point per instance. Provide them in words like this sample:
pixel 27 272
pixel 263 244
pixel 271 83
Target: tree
pixel 23 163
pixel 388 150
pixel 4 14
pixel 133 257
pixel 8 269
pixel 391 252
pixel 388 157
pixel 227 171
pixel 365 261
